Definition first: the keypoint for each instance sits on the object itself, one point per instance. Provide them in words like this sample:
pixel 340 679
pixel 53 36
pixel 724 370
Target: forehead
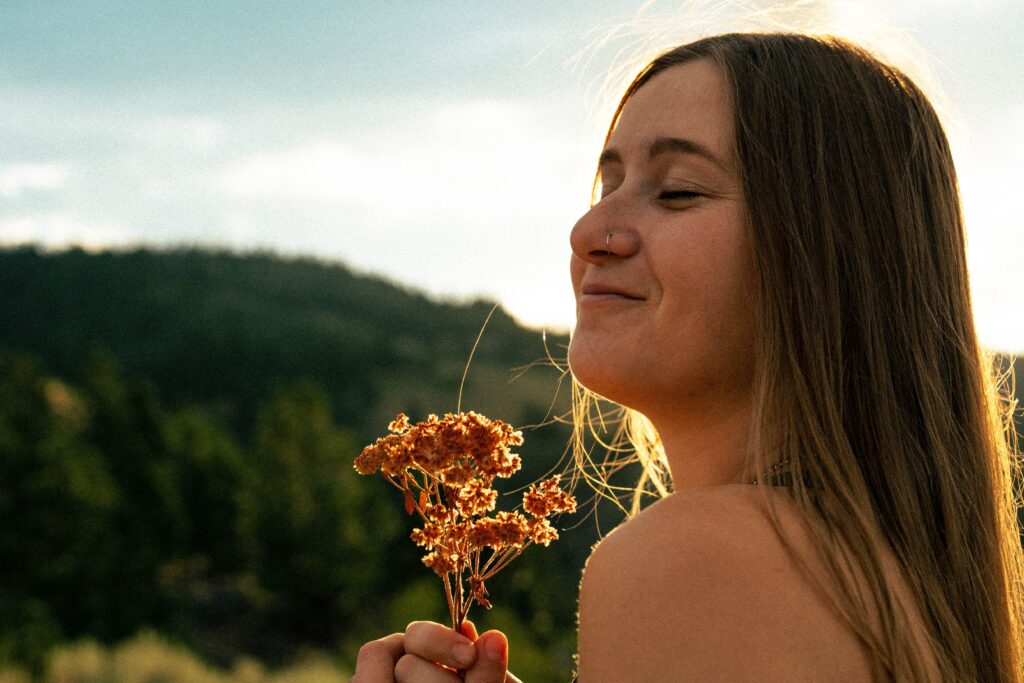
pixel 687 101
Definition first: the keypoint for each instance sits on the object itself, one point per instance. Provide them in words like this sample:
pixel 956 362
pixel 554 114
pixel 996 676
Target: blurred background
pixel 237 237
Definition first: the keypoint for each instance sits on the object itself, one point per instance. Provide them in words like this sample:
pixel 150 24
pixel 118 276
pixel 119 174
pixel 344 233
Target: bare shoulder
pixel 699 587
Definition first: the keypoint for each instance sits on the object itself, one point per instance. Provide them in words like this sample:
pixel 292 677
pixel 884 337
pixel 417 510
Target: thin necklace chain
pixel 771 469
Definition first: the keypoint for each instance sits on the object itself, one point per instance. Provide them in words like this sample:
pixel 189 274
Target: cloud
pixel 323 170
pixel 476 196
pixel 462 160
pixel 17 179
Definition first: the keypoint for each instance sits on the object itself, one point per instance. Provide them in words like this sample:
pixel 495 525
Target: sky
pixel 447 145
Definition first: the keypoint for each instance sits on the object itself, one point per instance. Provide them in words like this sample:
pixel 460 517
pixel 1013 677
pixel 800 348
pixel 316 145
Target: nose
pixel 598 237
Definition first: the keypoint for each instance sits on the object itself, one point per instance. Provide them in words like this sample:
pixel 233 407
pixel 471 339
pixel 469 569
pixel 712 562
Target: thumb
pixel 469 630
pixel 492 659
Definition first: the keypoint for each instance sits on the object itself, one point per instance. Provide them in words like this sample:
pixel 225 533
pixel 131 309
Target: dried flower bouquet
pixel 445 468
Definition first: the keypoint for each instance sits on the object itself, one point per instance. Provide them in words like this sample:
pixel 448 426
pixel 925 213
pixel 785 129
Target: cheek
pixel 706 324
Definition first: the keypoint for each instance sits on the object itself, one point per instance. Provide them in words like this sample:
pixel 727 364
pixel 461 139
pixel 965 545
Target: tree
pixel 57 501
pixel 314 535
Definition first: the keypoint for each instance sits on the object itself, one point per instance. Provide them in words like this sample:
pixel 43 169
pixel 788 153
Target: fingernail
pixel 463 653
pixel 495 649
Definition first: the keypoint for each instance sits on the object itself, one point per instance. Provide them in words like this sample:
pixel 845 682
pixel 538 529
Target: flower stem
pixel 451 603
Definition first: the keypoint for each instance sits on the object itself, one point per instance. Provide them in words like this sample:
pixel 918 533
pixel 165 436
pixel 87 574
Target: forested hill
pixel 177 432
pixel 221 330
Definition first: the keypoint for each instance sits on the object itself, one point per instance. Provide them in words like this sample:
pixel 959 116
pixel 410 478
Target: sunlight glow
pixel 61 229
pixel 17 179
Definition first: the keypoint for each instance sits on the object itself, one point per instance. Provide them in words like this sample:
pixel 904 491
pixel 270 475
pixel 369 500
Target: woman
pixel 773 280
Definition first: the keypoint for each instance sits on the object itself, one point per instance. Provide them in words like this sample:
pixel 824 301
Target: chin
pixel 596 374
pixel 584 365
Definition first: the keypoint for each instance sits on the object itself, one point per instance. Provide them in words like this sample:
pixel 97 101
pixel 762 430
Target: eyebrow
pixel 664 145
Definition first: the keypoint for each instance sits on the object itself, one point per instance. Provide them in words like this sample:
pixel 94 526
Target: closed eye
pixel 679 194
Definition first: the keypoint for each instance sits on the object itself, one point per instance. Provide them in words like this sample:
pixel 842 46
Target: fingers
pixel 492 661
pixel 436 643
pixel 413 669
pixel 469 630
pixel 429 653
pixel 375 662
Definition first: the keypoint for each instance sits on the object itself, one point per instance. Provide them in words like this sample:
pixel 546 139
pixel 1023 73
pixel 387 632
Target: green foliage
pixel 147 658
pixel 533 658
pixel 416 600
pixel 211 469
pixel 312 533
pixel 221 330
pixel 177 433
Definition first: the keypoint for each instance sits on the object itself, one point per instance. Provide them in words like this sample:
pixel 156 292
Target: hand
pixel 431 653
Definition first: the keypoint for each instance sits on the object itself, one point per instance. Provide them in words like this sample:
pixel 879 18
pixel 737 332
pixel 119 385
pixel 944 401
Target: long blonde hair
pixel 870 379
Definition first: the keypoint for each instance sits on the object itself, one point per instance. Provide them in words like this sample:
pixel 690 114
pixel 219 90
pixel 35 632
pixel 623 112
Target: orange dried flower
pixel 400 424
pixel 368 462
pixel 476 498
pixel 436 513
pixel 547 497
pixel 458 474
pixel 445 468
pixel 428 536
pixel 441 563
pixel 506 529
pixel 457 533
pixel 541 531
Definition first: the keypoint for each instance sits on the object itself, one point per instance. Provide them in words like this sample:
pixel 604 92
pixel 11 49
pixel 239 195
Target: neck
pixel 707 448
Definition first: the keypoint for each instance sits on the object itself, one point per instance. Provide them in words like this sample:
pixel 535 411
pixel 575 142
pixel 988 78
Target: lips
pixel 600 291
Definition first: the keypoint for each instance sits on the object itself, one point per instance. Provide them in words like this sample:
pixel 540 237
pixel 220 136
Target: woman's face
pixel 665 306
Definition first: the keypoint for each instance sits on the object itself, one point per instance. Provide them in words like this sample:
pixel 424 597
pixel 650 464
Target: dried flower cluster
pixel 445 468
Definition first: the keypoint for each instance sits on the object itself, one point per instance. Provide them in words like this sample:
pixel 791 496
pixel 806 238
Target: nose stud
pixel 607 241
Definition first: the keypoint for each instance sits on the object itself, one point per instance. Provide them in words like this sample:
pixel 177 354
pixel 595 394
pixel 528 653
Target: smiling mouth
pixel 604 293
pixel 609 295
pixel 605 296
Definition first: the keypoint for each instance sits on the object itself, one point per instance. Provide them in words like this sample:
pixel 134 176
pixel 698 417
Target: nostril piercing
pixel 607 241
